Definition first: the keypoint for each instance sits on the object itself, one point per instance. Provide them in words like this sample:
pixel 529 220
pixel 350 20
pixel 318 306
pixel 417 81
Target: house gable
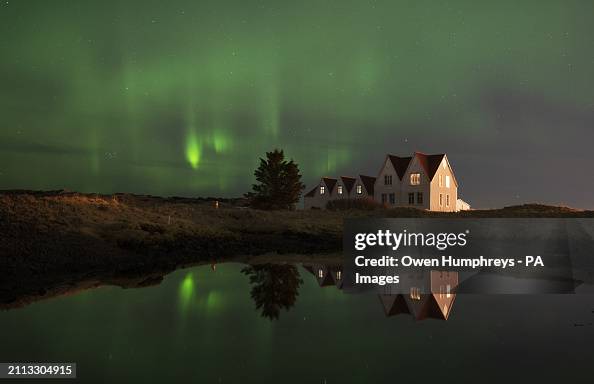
pixel 415 166
pixel 368 183
pixel 330 183
pixel 446 161
pixel 399 164
pixel 348 182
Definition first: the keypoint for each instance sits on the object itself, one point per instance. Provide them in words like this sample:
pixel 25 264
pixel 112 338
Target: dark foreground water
pixel 203 326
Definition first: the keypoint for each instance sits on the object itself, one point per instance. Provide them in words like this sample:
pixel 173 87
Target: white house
pixel 421 181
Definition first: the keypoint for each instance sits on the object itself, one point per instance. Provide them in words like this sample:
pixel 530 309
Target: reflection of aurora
pixel 275 287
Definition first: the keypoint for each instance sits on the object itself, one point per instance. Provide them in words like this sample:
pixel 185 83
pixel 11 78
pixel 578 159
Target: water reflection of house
pixel 426 294
pixel 422 295
pixel 326 275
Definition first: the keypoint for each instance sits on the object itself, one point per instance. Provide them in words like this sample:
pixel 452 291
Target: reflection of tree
pixel 274 286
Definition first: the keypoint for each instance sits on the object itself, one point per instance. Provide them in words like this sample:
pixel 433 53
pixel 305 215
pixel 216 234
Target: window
pixel 415 178
pixel 440 180
pixel 411 198
pixel 448 291
pixel 340 189
pixel 447 181
pixel 338 275
pixel 320 273
pixel 447 200
pixel 387 179
pixel 359 189
pixel 392 198
pixel 322 189
pixel 419 197
pixel 384 198
pixel 441 199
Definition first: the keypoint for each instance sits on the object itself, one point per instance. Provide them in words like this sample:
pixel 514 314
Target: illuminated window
pixel 447 200
pixel 440 180
pixel 392 198
pixel 322 189
pixel 448 291
pixel 419 197
pixel 411 198
pixel 388 180
pixel 359 189
pixel 320 273
pixel 441 199
pixel 338 275
pixel 447 181
pixel 340 189
pixel 415 178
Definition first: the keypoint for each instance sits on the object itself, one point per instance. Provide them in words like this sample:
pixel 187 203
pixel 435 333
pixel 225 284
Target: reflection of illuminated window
pixel 415 178
pixel 322 189
pixel 320 273
pixel 415 293
pixel 448 290
pixel 338 275
pixel 340 189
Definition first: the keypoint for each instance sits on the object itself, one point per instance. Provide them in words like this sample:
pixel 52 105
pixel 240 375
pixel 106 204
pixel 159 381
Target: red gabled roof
pixel 368 183
pixel 348 182
pixel 311 193
pixel 430 163
pixel 330 183
pixel 400 164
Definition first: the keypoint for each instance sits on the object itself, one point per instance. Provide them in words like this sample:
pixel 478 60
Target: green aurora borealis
pixel 182 97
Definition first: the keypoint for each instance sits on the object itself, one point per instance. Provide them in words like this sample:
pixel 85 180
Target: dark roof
pixel 400 164
pixel 430 163
pixel 348 182
pixel 330 183
pixel 368 182
pixel 311 193
pixel 394 304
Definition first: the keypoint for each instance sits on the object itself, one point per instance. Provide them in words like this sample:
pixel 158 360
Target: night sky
pixel 182 97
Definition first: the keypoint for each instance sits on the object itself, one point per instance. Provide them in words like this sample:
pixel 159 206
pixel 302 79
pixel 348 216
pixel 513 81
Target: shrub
pixel 353 204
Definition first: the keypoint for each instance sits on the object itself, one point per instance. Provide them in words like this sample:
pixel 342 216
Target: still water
pixel 235 324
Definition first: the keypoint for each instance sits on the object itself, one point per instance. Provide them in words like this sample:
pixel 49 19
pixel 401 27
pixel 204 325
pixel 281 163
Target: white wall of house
pixel 387 185
pixel 462 205
pixel 319 199
pixel 415 195
pixel 440 186
pixel 338 188
pixel 359 191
